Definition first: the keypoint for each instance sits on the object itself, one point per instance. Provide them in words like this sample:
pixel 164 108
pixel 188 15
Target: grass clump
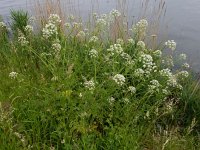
pixel 80 87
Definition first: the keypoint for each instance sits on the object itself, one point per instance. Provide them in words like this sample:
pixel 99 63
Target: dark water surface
pixel 182 17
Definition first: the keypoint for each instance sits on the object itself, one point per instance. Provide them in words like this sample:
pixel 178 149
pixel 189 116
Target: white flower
pixel 29 29
pixel 186 65
pixel 101 23
pixel 119 79
pixel 115 13
pixel 157 53
pixel 154 86
pixel 13 75
pixel 22 40
pixel 131 41
pixel 132 89
pixel 93 53
pixel 171 44
pixel 126 100
pixel 141 44
pixel 139 72
pixel 90 85
pixel 140 27
pixel 111 100
pixel 2 25
pixel 49 30
pixel 54 19
pixel 93 39
pixel 183 74
pixel 56 47
pixel 166 73
pixel 183 56
pixel 55 78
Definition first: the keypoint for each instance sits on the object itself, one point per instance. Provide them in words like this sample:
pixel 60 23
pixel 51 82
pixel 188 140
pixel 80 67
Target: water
pixel 182 18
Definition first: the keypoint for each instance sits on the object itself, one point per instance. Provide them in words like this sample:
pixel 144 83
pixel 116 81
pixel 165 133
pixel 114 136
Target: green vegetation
pixel 93 86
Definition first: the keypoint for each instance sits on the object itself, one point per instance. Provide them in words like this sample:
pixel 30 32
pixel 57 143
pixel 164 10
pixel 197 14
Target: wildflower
pixel 119 79
pixel 93 39
pixel 115 13
pixel 90 85
pixel 126 100
pixel 56 47
pixel 101 23
pixel 131 41
pixel 186 65
pixel 49 30
pixel 132 89
pixel 2 25
pixel 139 72
pixel 171 44
pixel 172 82
pixel 154 86
pixel 165 91
pixel 22 40
pixel 183 56
pixel 111 100
pixel 54 19
pixel 157 53
pixel 115 49
pixel 166 73
pixel 140 27
pixel 141 44
pixel 13 75
pixel 183 74
pixel 29 29
pixel 93 53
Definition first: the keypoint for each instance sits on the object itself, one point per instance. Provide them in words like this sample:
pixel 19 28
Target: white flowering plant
pixel 80 84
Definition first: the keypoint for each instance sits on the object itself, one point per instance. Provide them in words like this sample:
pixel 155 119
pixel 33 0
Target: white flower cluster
pixel 119 79
pixel 172 82
pixel 54 19
pixel 140 27
pixel 157 53
pixel 166 73
pixel 171 44
pixel 56 47
pixel 101 23
pixel 93 53
pixel 115 49
pixel 182 74
pixel 131 41
pixel 115 13
pixel 29 29
pixel 141 45
pixel 2 25
pixel 147 63
pixel 22 40
pixel 183 56
pixel 132 89
pixel 93 39
pixel 67 25
pixel 90 85
pixel 186 65
pixel 154 86
pixel 50 28
pixel 111 100
pixel 139 72
pixel 13 75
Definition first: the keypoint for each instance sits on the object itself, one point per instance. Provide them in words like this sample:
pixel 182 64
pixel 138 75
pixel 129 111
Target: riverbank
pixel 97 85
